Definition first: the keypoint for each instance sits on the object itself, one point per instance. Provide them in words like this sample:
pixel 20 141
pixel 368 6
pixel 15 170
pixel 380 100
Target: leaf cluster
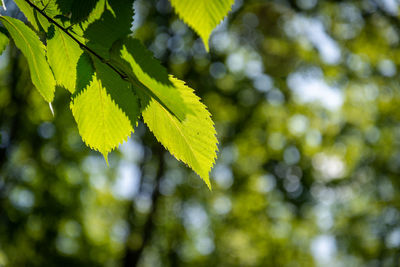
pixel 89 50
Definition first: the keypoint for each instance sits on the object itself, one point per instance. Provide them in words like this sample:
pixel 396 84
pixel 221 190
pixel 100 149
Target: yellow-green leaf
pixel 147 75
pixel 28 12
pixel 49 7
pixel 106 111
pixel 63 54
pixel 34 51
pixel 192 140
pixel 202 15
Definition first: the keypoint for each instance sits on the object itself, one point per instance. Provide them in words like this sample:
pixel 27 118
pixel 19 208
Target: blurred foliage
pixel 305 97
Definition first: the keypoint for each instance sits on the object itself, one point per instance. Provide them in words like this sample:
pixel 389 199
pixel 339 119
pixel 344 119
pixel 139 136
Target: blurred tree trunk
pixel 132 256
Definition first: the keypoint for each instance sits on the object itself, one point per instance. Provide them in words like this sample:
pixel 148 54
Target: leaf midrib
pixel 102 113
pixel 182 134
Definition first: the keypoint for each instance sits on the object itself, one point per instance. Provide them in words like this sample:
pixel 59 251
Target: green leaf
pixel 82 9
pixel 34 51
pixel 84 73
pixel 171 110
pixel 64 6
pixel 115 23
pixel 3 42
pixel 63 54
pixel 202 15
pixel 192 140
pixel 147 75
pixel 78 29
pixel 28 12
pixel 106 111
pixel 120 91
pixel 50 8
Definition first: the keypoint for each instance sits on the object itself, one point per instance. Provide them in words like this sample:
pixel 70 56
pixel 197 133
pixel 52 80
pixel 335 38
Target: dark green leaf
pixel 115 23
pixel 81 9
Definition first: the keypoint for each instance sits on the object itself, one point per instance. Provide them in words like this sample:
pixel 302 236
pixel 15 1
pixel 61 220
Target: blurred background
pixel 305 95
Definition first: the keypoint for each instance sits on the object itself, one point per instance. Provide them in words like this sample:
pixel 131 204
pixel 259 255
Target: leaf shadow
pixel 149 78
pixel 80 10
pixel 84 73
pixel 119 90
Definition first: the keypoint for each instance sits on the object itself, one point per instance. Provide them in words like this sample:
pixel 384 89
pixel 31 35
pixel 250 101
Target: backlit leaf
pixel 50 8
pixel 34 51
pixel 63 54
pixel 101 112
pixel 192 140
pixel 28 12
pixel 148 76
pixel 202 15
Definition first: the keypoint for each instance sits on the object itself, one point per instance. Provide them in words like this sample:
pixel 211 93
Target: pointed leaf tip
pixel 101 112
pixel 51 108
pixel 208 183
pixel 203 15
pixel 105 155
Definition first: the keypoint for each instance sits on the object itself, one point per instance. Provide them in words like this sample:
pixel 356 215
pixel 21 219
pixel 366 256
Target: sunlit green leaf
pixel 120 91
pixel 63 54
pixel 92 56
pixel 192 140
pixel 28 12
pixel 202 15
pixel 34 51
pixel 50 8
pixel 147 75
pixel 106 111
